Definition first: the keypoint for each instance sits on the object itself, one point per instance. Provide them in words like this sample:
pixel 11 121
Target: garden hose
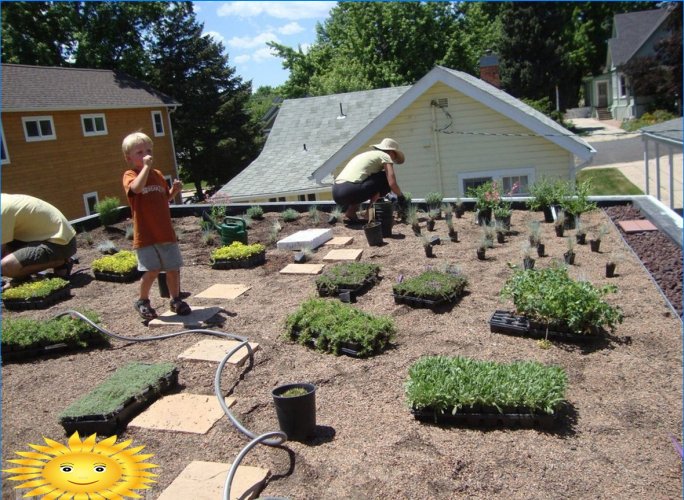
pixel 275 438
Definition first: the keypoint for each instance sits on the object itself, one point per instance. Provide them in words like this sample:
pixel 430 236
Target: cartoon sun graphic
pixel 83 470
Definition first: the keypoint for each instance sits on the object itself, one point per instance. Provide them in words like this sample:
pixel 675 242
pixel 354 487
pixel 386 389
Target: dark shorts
pixel 41 252
pixel 350 193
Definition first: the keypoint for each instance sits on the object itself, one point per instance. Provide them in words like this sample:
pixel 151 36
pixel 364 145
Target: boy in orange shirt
pixel 154 239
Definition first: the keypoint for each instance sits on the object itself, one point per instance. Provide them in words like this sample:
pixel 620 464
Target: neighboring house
pixel 456 131
pixel 666 141
pixel 635 34
pixel 62 130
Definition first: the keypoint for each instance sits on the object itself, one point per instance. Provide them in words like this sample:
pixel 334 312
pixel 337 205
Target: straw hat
pixel 388 144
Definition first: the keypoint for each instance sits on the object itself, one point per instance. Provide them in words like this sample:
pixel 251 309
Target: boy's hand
pixel 176 187
pixel 147 161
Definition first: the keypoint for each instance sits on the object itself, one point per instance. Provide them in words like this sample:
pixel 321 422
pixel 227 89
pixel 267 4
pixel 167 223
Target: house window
pixel 89 200
pixel 311 197
pixel 302 197
pixel 94 125
pixel 623 86
pixel 39 128
pixel 473 182
pixel 506 179
pixel 510 181
pixel 5 154
pixel 157 123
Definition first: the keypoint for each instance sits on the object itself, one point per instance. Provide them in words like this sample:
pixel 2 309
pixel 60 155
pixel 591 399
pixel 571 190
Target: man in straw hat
pixel 369 176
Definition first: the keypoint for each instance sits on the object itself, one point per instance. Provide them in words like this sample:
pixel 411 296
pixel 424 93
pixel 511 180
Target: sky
pixel 245 27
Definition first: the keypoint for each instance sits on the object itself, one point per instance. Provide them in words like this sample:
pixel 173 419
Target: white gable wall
pixel 438 161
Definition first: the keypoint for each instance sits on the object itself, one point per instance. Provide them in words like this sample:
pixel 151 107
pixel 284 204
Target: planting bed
pixel 624 396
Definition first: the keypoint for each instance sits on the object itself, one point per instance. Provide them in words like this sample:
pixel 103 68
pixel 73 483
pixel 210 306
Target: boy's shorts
pixel 41 252
pixel 159 257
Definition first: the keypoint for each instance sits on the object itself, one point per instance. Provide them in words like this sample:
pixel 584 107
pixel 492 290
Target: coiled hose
pixel 275 438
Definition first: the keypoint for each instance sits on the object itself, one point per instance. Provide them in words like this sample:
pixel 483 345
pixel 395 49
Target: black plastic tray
pixel 10 353
pixel 128 277
pixel 358 290
pixel 486 418
pixel 351 349
pixel 111 423
pixel 254 260
pixel 510 324
pixel 422 302
pixel 38 303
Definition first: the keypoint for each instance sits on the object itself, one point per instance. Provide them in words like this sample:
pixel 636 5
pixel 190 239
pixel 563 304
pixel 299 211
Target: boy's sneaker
pixel 180 307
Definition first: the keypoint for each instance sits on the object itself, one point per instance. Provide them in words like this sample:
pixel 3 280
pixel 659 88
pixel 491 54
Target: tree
pixel 213 135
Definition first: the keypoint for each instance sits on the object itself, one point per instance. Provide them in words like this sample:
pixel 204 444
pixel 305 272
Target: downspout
pixel 435 140
pixel 173 148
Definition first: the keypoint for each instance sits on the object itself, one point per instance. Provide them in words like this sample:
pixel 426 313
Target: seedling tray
pixel 486 417
pixel 38 302
pixel 510 324
pixel 352 349
pixel 253 261
pixel 111 423
pixel 128 277
pixel 423 302
pixel 366 285
pixel 20 353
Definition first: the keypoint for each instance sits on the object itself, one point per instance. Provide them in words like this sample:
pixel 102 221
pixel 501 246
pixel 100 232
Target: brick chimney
pixel 489 69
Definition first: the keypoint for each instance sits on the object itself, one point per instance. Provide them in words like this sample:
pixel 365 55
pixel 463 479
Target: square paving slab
pixel 205 481
pixel 636 226
pixel 193 413
pixel 339 241
pixel 197 318
pixel 344 254
pixel 302 269
pixel 216 350
pixel 223 291
pixel 312 238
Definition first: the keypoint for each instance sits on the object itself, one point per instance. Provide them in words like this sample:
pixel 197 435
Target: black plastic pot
pixel 297 414
pixel 384 213
pixel 548 215
pixel 541 249
pixel 453 235
pixel 373 231
pixel 481 253
pixel 581 238
pixel 500 238
pixel 559 230
pixel 428 251
pixel 528 263
pixel 430 224
pixel 595 245
pixel 610 269
pixel 570 221
pixel 484 216
pixel 569 258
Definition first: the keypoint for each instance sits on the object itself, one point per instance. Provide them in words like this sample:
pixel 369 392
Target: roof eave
pixel 86 108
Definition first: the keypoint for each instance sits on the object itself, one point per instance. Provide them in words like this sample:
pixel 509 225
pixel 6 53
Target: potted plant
pixel 576 202
pixel 458 208
pixel 482 247
pixel 542 296
pixel 544 195
pixel 598 234
pixel 122 267
pixel 430 288
pixel 314 215
pixel 448 211
pixel 503 213
pixel 487 197
pixel 338 328
pixel 412 219
pixel 27 338
pixel 432 216
pixel 237 255
pixel 255 212
pixel 528 260
pixel 295 406
pixel 613 259
pixel 462 390
pixel 534 233
pixel 427 245
pixel 559 224
pixel 501 231
pixel 489 231
pixel 111 405
pixel 336 215
pixel 569 255
pixel 580 233
pixel 352 277
pixel 434 202
pixel 304 255
pixel 453 234
pixel 108 210
pixel 38 294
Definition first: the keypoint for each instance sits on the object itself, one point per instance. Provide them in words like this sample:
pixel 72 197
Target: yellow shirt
pixel 26 218
pixel 363 166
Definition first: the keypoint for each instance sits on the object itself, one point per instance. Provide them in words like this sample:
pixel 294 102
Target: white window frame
pixel 86 196
pixel 93 117
pixel 6 159
pixel 157 133
pixel 622 84
pixel 41 137
pixel 497 175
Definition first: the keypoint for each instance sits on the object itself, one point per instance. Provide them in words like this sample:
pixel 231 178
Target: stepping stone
pixel 197 318
pixel 302 269
pixel 216 350
pixel 339 241
pixel 636 226
pixel 205 481
pixel 223 291
pixel 311 238
pixel 193 413
pixel 344 254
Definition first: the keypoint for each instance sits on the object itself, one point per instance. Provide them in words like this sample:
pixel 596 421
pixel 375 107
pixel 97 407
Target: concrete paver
pixel 215 350
pixel 192 413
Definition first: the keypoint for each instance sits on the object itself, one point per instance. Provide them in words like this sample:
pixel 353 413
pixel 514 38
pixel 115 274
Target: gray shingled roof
pixel 38 88
pixel 670 131
pixel 632 30
pixel 306 133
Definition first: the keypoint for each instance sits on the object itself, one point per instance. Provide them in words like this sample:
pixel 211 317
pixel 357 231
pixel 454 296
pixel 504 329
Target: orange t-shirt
pixel 150 210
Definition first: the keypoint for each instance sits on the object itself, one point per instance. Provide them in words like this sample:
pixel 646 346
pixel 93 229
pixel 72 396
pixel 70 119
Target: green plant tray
pixel 20 353
pixel 487 417
pixel 253 261
pixel 128 277
pixel 112 423
pixel 511 324
pixel 356 290
pixel 423 302
pixel 38 302
pixel 352 349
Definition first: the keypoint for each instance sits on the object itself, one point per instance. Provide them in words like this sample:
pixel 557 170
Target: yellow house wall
pixel 61 171
pixel 433 160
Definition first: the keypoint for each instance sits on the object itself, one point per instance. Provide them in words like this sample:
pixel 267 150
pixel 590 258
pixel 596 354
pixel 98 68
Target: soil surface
pixel 613 439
